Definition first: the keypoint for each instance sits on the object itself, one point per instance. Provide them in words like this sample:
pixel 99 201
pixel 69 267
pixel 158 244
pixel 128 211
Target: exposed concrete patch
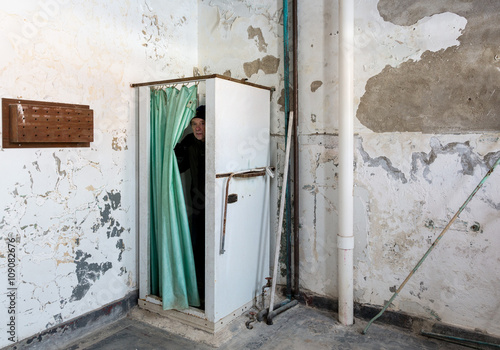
pixel 449 91
pixel 269 64
pixel 121 247
pixel 315 85
pixel 114 198
pixel 259 38
pixel 408 12
pixel 281 100
pixel 112 202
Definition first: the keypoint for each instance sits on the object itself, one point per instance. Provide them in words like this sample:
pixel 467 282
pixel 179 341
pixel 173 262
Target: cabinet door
pixel 238 138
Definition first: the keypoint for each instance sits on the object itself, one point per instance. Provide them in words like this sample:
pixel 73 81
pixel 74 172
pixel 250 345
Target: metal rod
pixel 250 173
pixel 288 207
pixel 443 337
pixel 243 174
pixel 436 241
pixel 199 78
pixel 222 250
pixel 279 310
pixel 280 219
pixel 263 313
pixel 296 190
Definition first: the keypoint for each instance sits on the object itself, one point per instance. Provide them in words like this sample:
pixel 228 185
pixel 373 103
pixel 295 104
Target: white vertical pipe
pixel 345 238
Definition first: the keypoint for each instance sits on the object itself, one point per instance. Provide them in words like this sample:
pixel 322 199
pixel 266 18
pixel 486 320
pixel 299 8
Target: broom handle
pixel 436 241
pixel 280 220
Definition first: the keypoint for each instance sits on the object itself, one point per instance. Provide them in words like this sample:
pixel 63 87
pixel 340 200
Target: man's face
pixel 198 126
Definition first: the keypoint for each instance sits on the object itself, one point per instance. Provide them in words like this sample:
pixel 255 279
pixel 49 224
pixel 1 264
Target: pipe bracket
pixel 345 242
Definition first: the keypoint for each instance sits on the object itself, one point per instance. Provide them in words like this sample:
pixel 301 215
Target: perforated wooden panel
pixel 44 124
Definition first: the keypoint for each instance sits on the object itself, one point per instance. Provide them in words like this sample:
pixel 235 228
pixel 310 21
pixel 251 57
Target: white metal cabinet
pixel 237 138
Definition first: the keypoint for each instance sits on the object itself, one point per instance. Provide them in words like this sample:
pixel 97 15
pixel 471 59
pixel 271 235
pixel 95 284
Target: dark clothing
pixel 190 154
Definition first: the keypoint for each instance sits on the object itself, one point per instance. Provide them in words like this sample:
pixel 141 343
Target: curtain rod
pixel 199 78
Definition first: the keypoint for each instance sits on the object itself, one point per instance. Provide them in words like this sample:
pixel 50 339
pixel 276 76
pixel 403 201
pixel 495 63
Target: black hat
pixel 200 112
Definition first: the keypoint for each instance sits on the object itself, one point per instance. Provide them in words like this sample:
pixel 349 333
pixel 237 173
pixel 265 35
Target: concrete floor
pixel 298 328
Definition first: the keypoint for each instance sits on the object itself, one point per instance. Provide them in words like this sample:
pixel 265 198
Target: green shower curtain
pixel 173 275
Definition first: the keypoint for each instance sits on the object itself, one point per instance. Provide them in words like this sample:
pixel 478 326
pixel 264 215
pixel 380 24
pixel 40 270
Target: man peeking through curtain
pixel 190 153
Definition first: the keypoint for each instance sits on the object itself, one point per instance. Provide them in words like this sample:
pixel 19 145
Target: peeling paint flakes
pixel 119 141
pixel 256 33
pixel 315 85
pixel 269 64
pixel 87 274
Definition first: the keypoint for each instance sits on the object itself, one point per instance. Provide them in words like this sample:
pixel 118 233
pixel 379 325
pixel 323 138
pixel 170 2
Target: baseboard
pixel 398 319
pixel 60 336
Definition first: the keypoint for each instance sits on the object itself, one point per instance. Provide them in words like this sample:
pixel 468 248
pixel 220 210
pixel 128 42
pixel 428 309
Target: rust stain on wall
pixel 449 91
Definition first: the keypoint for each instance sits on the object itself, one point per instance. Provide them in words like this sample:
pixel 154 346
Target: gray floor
pixel 298 328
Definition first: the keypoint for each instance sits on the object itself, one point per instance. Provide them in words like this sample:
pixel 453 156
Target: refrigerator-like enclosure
pixel 237 257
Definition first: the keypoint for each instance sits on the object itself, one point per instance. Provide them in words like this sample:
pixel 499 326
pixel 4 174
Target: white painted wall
pixel 401 203
pixel 238 34
pixel 73 210
pixel 77 52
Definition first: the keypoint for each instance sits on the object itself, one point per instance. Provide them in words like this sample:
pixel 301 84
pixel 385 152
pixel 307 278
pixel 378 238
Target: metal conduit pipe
pixel 296 207
pixel 278 308
pixel 345 238
pixel 288 209
pixel 286 306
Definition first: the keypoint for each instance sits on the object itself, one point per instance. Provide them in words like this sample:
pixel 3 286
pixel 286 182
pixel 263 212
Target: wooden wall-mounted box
pixel 36 124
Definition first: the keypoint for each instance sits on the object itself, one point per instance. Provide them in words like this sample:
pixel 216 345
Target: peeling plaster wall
pixel 243 40
pixel 73 210
pixel 450 89
pixel 426 75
